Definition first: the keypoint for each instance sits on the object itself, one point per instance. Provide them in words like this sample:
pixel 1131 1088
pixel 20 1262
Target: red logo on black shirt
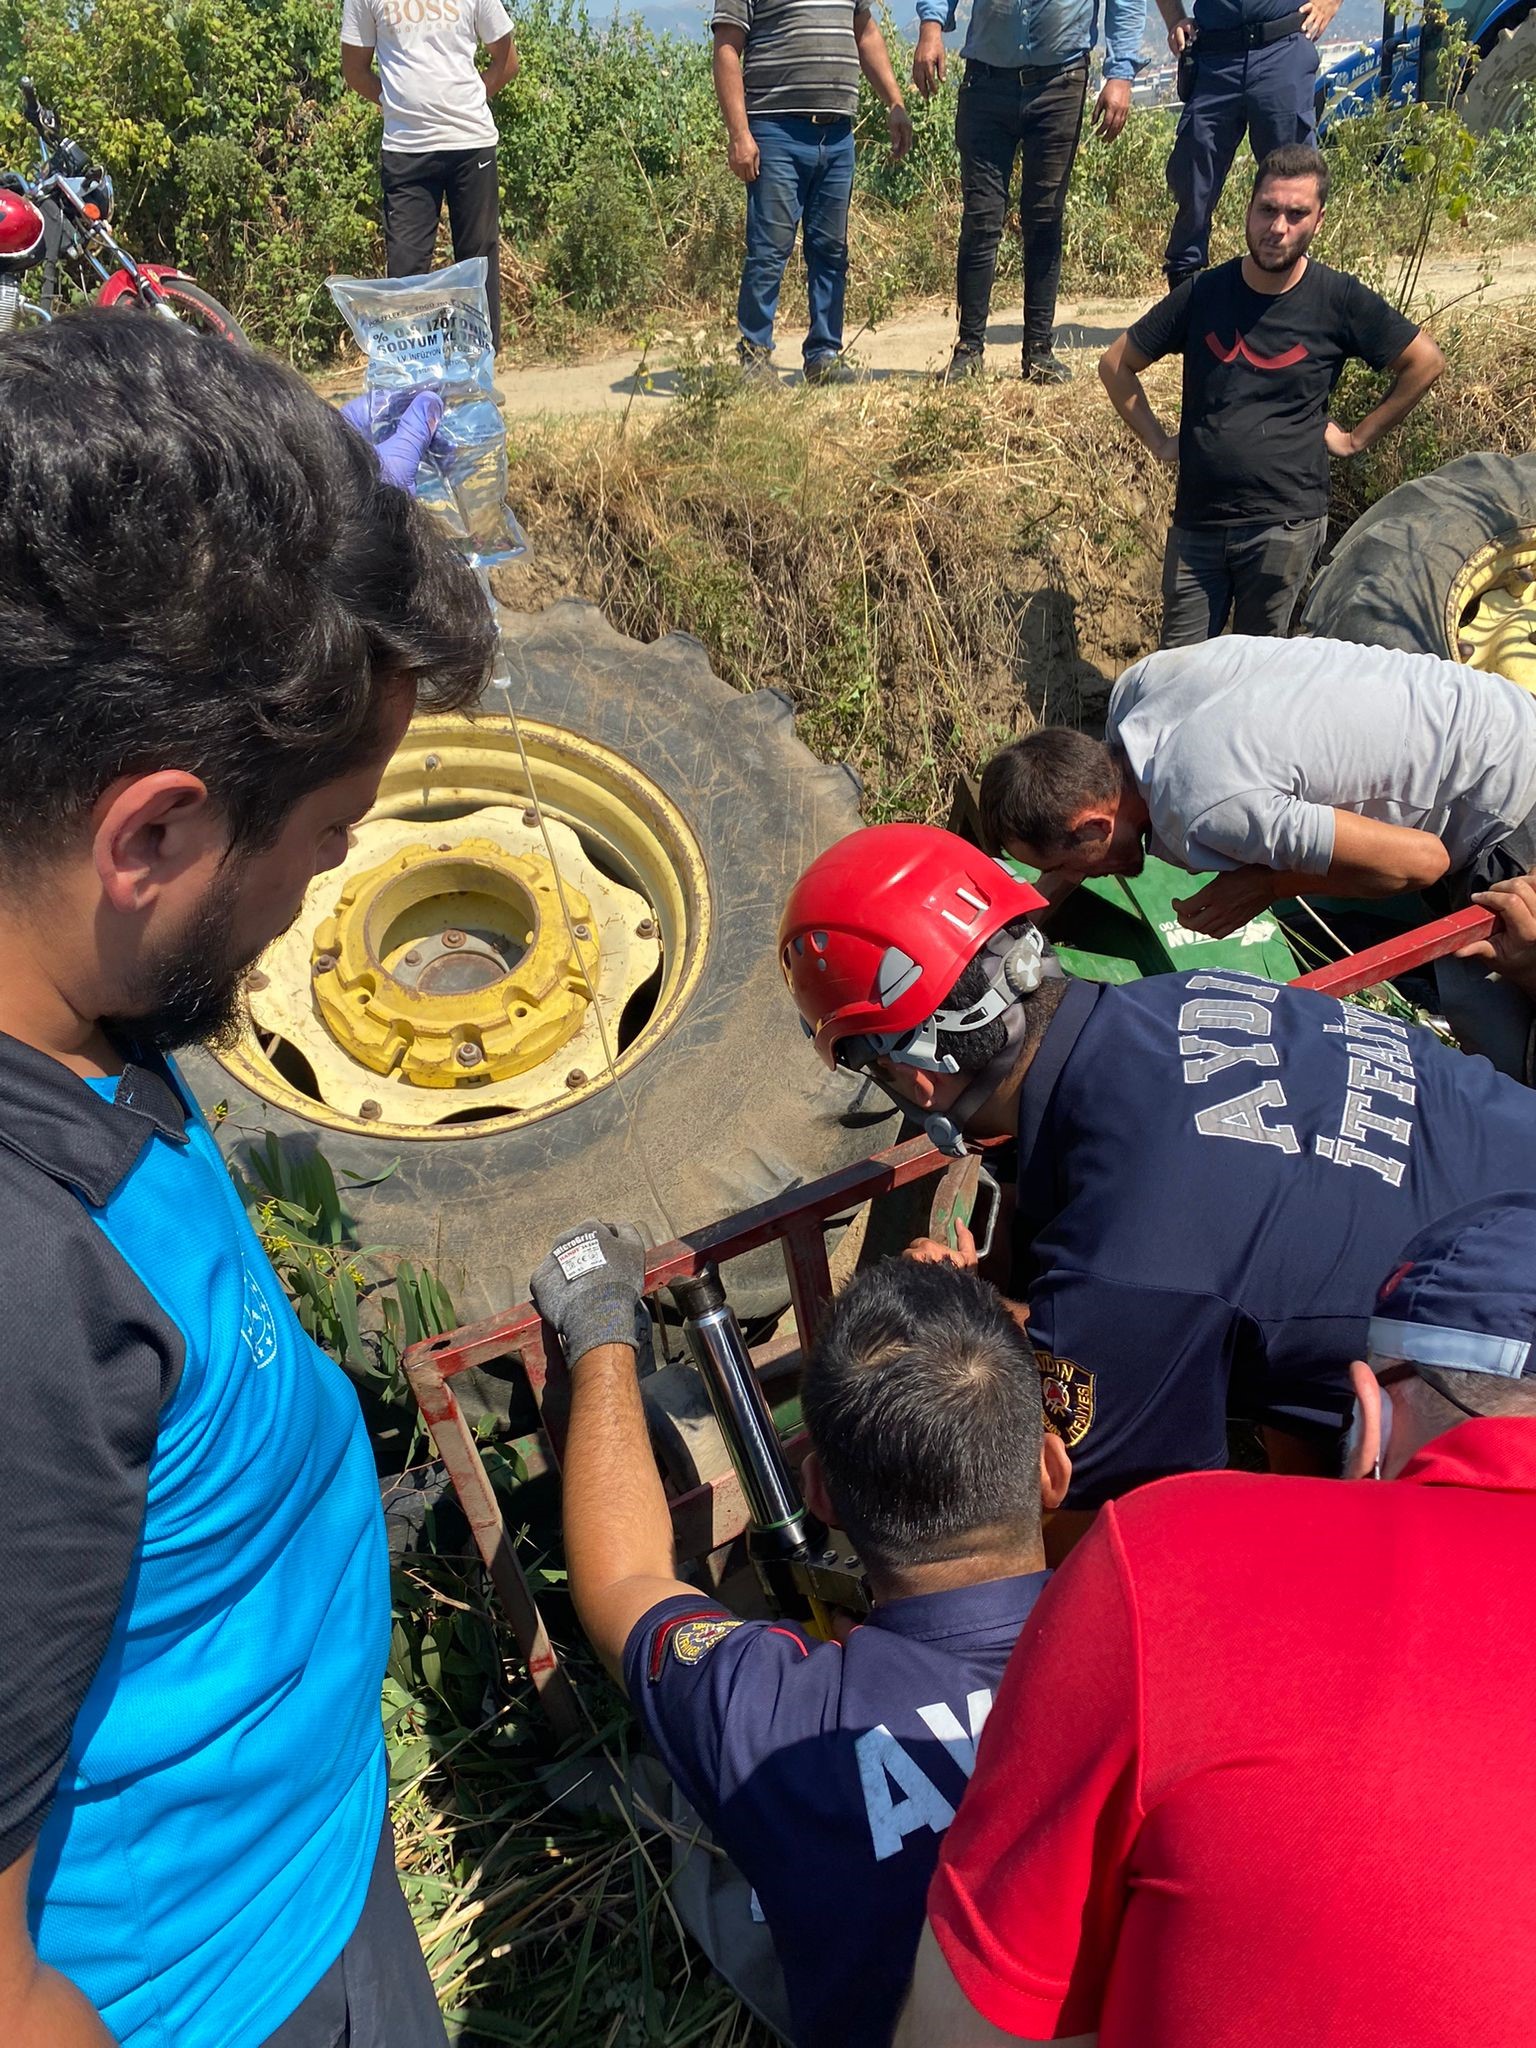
pixel 1287 359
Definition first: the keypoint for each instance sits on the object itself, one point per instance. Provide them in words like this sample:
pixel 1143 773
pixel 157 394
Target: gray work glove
pixel 592 1288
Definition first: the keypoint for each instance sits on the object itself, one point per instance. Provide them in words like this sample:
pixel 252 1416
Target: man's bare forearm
pixel 1130 400
pixel 358 74
pixel 502 68
pixel 617 1523
pixel 1421 368
pixel 730 90
pixel 50 2012
pixel 875 61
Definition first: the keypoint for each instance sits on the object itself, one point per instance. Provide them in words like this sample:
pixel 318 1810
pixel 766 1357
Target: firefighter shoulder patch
pixel 1066 1391
pixel 689 1638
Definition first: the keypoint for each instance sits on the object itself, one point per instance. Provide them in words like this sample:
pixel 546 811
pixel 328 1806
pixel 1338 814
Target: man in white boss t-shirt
pixel 439 135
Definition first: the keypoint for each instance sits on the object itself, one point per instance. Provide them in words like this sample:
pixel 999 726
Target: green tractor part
pixel 1117 928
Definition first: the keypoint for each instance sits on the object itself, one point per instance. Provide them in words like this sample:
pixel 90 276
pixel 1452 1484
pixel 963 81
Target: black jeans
pixel 1039 112
pixel 415 187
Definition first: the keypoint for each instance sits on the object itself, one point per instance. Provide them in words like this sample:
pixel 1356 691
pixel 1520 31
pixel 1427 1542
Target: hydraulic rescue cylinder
pixel 786 1543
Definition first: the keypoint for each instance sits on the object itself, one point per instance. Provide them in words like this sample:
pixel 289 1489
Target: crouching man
pixel 828 1773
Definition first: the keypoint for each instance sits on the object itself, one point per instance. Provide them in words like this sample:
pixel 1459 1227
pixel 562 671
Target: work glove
pixel 401 446
pixel 592 1288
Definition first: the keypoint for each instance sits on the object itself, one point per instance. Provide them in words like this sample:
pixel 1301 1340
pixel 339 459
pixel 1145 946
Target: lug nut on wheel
pixel 469 1054
pixel 453 938
pixel 575 1078
pixel 324 962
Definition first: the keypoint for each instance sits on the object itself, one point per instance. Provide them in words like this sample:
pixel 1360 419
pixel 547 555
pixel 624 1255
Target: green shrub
pixel 236 150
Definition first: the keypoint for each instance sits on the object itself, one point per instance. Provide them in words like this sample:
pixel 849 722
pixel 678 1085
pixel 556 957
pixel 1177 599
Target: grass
pixel 542 1926
pixel 924 570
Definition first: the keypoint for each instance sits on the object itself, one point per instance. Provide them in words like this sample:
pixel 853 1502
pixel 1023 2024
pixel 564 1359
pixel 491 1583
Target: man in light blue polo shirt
pixel 215 619
pixel 1025 83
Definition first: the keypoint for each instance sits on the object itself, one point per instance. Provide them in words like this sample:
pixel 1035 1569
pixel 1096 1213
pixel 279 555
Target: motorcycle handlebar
pixel 42 118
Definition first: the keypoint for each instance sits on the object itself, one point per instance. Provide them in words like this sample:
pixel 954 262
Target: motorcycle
pixel 58 221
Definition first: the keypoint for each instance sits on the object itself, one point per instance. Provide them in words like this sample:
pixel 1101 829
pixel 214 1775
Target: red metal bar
pixel 810 1276
pixel 512 1331
pixel 1396 956
pixel 460 1453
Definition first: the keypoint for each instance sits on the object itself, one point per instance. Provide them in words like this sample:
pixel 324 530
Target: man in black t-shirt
pixel 1264 340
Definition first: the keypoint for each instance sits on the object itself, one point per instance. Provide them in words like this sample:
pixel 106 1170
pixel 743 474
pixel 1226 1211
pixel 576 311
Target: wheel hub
pixel 1491 609
pixel 452 957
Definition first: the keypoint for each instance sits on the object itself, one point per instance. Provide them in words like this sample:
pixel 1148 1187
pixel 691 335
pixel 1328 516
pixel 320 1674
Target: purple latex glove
pixel 401 448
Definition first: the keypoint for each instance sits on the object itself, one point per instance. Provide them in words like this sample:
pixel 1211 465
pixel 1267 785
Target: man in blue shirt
pixel 828 1771
pixel 1026 79
pixel 1246 67
pixel 215 617
pixel 1213 1171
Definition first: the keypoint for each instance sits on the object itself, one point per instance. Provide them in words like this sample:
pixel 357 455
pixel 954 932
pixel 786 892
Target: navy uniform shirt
pixel 1217 1174
pixel 828 1773
pixel 1230 14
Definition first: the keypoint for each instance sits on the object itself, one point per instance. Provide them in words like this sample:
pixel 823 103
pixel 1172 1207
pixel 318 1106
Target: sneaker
pixel 828 369
pixel 755 364
pixel 1044 366
pixel 965 362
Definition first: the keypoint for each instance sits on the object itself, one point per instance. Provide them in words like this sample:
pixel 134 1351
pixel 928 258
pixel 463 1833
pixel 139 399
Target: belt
pixel 1026 70
pixel 825 120
pixel 1253 35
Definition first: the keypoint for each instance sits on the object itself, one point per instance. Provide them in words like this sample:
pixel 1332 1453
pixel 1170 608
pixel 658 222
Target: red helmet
pixel 880 927
pixel 21 228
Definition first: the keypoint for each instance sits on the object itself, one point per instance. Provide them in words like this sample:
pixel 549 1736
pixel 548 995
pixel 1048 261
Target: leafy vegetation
pixel 236 149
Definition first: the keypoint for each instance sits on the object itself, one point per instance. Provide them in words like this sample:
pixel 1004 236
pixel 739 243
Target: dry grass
pixel 544 1924
pixel 923 570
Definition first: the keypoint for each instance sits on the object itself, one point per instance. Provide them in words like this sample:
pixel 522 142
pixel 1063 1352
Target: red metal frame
pixel 1396 956
pixel 714 1513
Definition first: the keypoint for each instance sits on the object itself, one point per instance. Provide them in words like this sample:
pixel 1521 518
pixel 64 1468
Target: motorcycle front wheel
pixel 192 305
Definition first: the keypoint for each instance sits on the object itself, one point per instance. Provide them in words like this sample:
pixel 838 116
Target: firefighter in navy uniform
pixel 1213 1171
pixel 827 1772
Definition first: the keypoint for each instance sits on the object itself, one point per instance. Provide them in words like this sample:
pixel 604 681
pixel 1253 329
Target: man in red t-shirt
pixel 1261 1770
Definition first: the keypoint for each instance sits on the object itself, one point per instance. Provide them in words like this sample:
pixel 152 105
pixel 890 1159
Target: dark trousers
pixel 1036 113
pixel 377 1993
pixel 1269 95
pixel 1253 575
pixel 415 187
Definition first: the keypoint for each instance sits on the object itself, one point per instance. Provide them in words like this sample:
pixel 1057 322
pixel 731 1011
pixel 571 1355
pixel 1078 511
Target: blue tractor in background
pixel 1404 64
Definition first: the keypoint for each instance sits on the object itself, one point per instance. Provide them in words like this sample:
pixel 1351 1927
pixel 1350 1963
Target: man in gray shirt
pixel 787 79
pixel 1289 768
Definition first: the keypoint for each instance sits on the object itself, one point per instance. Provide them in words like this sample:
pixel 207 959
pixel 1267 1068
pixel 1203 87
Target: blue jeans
pixel 1268 95
pixel 805 174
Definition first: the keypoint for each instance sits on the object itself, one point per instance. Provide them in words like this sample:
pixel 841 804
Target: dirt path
pixel 916 344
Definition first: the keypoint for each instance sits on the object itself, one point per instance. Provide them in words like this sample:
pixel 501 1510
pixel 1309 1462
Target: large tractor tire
pixel 694 807
pixel 1443 565
pixel 1498 97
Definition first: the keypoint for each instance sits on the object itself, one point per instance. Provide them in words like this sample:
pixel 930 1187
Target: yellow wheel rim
pixel 1490 614
pixel 442 983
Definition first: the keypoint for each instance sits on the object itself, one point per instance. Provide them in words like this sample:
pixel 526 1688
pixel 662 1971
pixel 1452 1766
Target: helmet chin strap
pixel 946 1130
